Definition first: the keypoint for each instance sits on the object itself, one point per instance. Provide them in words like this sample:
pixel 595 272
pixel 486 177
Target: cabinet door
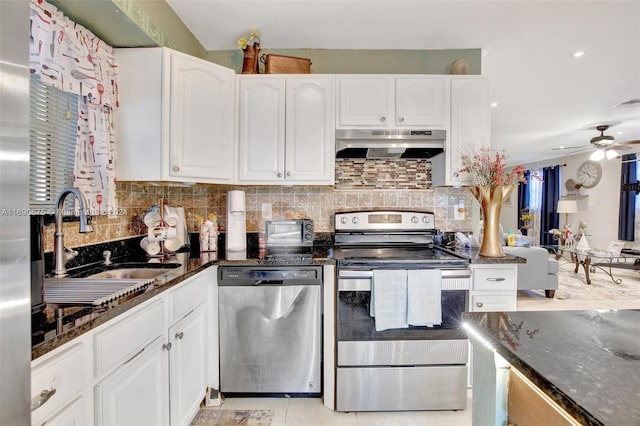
pixel 365 101
pixel 470 120
pixel 422 101
pixel 310 131
pixel 138 392
pixel 201 120
pixel 187 366
pixel 262 130
pixel 58 379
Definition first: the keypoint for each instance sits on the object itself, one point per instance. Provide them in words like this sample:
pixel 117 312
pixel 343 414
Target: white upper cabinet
pixel 176 118
pixel 470 127
pixel 413 101
pixel 286 130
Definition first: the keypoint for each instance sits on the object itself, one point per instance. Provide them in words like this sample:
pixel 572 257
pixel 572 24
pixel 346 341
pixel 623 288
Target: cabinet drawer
pixel 62 377
pixel 186 297
pixel 494 279
pixel 72 415
pixel 117 343
pixel 493 303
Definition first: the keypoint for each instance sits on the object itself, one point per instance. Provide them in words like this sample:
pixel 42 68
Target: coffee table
pixel 592 259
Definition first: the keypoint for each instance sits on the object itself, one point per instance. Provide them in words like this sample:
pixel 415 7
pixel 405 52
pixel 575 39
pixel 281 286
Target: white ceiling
pixel 545 95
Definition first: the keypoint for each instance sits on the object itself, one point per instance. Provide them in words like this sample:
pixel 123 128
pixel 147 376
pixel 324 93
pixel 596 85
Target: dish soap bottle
pixel 511 238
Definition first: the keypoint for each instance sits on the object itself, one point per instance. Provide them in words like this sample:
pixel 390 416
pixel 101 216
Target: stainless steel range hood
pixel 389 144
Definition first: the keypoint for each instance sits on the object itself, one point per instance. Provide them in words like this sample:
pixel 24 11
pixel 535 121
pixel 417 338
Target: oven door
pixel 354 300
pixel 424 368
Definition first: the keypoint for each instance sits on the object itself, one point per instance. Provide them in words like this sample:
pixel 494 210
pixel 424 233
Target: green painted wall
pixel 348 61
pixel 133 23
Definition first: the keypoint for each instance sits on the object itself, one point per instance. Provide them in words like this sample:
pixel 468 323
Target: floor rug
pixel 573 285
pixel 218 417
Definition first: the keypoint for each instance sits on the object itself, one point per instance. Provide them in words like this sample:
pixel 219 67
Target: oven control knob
pixel 414 219
pixel 425 219
pixel 355 220
pixel 343 220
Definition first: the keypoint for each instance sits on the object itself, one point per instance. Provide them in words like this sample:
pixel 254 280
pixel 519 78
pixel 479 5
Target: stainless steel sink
pixel 130 273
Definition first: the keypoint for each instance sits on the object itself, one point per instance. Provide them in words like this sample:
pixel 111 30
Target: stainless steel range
pixel 400 303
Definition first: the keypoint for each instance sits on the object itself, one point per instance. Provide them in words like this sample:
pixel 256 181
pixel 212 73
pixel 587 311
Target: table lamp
pixel 566 207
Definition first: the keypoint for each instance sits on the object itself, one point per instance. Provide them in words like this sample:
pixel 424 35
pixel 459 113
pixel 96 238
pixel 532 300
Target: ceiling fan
pixel 605 145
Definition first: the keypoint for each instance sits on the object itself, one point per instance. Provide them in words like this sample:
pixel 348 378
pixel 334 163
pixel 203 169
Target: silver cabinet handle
pixel 167 346
pixel 456 174
pixel 176 168
pixel 383 119
pixel 279 174
pixel 43 397
pixel 137 353
pixel 179 335
pixel 479 304
pixel 288 173
pixel 496 279
pixel 401 119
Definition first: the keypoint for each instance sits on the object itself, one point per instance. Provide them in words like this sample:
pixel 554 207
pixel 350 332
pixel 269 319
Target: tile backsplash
pixel 315 202
pixel 383 174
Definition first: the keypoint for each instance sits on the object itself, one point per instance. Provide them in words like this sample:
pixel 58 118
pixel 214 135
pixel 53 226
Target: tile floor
pixel 311 412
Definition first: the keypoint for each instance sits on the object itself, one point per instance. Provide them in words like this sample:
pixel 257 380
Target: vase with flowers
pixel 488 179
pixel 250 46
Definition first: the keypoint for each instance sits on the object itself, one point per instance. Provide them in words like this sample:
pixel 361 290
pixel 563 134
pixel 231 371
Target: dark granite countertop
pixel 586 361
pixel 472 254
pixel 189 267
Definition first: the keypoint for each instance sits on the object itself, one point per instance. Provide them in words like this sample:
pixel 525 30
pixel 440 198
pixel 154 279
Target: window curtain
pixel 549 218
pixel 523 198
pixel 69 57
pixel 627 211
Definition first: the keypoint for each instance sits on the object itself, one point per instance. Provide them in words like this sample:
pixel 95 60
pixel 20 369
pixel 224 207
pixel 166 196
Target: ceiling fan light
pixel 597 155
pixel 611 154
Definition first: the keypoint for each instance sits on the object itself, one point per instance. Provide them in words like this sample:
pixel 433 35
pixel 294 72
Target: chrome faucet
pixel 85 226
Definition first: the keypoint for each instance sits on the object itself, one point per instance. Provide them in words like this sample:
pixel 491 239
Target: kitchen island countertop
pixel 585 361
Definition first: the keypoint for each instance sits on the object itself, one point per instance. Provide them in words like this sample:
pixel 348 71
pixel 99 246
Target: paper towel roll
pixel 236 201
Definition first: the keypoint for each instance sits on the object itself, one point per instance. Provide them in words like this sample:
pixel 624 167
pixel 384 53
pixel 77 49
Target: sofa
pixel 539 273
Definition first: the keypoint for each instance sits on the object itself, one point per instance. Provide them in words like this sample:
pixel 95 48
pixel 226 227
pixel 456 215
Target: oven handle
pixel 446 273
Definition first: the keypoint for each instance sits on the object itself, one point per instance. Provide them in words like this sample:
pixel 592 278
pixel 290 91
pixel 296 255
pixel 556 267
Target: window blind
pixel 53 128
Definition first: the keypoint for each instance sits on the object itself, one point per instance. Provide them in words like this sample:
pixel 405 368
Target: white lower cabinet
pixel 60 391
pixel 494 287
pixel 149 366
pixel 187 365
pixel 137 393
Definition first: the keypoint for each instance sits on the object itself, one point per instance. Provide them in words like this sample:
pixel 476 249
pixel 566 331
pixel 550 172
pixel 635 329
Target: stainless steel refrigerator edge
pixel 15 301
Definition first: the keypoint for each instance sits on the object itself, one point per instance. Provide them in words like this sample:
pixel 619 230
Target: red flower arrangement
pixel 484 169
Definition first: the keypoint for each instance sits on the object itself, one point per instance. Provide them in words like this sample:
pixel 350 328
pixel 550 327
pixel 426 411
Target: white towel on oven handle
pixel 389 298
pixel 424 297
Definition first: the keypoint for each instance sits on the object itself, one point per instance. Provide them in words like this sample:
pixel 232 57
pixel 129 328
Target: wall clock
pixel 589 174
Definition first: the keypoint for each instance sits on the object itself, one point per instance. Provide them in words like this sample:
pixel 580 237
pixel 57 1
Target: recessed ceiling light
pixel 578 54
pixel 494 104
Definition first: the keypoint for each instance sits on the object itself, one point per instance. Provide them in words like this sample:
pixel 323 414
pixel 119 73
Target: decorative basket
pixel 282 64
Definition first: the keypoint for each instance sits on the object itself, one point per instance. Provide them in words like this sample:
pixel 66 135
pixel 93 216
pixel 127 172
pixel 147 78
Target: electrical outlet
pixel 267 211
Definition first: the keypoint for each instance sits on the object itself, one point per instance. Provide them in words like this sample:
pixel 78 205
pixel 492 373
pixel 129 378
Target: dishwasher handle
pixel 269 282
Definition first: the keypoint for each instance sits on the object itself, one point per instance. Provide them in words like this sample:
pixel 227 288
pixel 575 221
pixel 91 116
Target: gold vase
pixel 491 199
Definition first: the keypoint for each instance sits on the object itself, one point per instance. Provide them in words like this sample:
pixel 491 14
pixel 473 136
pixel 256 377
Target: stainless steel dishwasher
pixel 270 329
